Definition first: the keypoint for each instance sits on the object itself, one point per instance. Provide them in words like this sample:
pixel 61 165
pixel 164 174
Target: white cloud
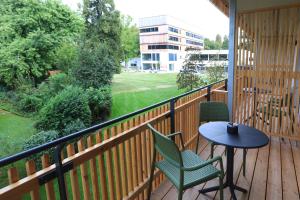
pixel 199 13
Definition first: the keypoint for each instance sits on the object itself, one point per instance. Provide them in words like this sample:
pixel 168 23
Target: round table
pixel 247 138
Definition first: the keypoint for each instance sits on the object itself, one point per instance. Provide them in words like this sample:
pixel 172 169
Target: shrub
pixel 29 103
pixel 73 127
pixel 39 139
pixel 99 102
pixel 95 67
pixel 67 106
pixel 66 56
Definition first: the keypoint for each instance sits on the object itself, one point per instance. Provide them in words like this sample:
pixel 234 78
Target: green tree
pixel 225 42
pixel 31 31
pixel 218 41
pixel 129 39
pixel 209 44
pixel 188 78
pixel 103 26
pixel 215 73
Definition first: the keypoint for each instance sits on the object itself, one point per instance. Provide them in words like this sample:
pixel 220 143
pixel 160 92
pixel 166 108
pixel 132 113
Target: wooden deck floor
pixel 273 172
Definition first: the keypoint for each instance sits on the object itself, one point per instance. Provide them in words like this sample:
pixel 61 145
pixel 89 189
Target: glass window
pixel 163 47
pixel 174 30
pixel 172 38
pixel 147 66
pixel 146 56
pixel 171 67
pixel 222 56
pixel 194 42
pixel 213 57
pixel 172 57
pixel 203 56
pixel 155 57
pixel 148 30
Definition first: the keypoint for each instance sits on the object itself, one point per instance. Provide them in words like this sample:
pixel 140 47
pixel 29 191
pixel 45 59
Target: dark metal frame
pixel 59 143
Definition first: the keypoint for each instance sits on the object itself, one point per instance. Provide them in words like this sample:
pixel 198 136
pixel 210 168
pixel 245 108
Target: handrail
pixel 21 155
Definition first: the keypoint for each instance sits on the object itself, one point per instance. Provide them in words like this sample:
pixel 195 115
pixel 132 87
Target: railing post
pixel 60 173
pixel 172 116
pixel 208 92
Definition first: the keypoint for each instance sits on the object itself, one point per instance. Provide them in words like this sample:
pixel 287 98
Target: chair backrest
pixel 166 147
pixel 213 111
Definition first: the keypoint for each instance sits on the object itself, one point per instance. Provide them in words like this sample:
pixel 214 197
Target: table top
pixel 247 137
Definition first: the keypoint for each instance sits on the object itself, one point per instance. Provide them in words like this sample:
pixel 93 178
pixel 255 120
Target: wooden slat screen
pixel 113 163
pixel 267 71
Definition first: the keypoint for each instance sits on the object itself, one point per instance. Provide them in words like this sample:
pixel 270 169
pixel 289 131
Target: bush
pixel 73 127
pixel 66 56
pixel 30 103
pixel 39 139
pixel 95 67
pixel 67 106
pixel 100 101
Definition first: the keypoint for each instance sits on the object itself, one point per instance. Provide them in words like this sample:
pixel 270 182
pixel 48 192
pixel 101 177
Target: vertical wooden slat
pixel 73 175
pixel 30 169
pixel 109 169
pixel 116 166
pixel 13 177
pixel 84 173
pixel 49 185
pixel 93 170
pixel 103 183
pixel 123 165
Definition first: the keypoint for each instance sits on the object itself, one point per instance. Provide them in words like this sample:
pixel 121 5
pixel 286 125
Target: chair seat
pixel 189 159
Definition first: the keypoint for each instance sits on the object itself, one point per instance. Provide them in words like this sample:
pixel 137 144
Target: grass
pixel 133 91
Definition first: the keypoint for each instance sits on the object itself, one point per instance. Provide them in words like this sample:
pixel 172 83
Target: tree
pixel 103 26
pixel 215 73
pixel 129 39
pixel 209 44
pixel 31 31
pixel 225 42
pixel 188 78
pixel 218 41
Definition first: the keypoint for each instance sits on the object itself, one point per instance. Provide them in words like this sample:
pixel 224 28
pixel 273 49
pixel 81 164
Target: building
pixel 133 63
pixel 213 57
pixel 163 40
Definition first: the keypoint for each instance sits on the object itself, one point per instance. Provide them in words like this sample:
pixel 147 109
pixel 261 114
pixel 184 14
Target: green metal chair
pixel 216 111
pixel 184 169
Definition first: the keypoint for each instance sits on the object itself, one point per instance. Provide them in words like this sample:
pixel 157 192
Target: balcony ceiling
pixel 246 5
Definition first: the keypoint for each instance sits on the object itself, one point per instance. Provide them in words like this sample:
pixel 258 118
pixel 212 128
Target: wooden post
pixel 231 55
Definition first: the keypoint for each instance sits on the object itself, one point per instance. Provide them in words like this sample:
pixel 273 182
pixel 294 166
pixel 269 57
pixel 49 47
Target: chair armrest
pixel 180 135
pixel 208 162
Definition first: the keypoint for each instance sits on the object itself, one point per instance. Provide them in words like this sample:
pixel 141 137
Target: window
pixel 223 57
pixel 171 67
pixel 189 34
pixel 146 56
pixel 172 38
pixel 148 30
pixel 147 66
pixel 172 57
pixel 203 56
pixel 151 57
pixel 163 47
pixel 194 43
pixel 213 57
pixel 174 30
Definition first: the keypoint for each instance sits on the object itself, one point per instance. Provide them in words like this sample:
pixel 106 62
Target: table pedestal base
pixel 231 188
pixel 229 176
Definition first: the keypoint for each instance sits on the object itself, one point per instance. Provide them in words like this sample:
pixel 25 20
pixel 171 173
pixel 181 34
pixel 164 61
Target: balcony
pixel 112 160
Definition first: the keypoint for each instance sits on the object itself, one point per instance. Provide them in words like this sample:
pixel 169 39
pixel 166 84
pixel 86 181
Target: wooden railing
pixel 111 163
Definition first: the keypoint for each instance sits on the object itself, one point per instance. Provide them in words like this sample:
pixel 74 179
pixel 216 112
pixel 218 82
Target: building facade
pixel 163 41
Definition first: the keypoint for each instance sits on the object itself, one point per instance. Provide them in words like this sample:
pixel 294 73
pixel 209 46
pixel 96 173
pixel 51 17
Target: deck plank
pixel 258 185
pixel 296 156
pixel 289 182
pixel 274 187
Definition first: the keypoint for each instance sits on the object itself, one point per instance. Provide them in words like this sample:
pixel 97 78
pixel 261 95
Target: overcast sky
pixel 199 13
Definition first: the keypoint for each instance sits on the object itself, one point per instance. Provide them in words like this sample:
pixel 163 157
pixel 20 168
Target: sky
pixel 201 14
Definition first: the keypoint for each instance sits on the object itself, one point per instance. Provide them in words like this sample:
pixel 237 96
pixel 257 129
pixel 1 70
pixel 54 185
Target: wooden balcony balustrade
pixel 111 163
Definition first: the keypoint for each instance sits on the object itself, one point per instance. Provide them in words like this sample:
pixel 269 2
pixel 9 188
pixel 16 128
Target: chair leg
pixel 180 193
pixel 244 161
pixel 151 175
pixel 212 150
pixel 196 151
pixel 221 187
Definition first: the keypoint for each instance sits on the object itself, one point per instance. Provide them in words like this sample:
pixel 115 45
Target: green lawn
pixel 132 91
